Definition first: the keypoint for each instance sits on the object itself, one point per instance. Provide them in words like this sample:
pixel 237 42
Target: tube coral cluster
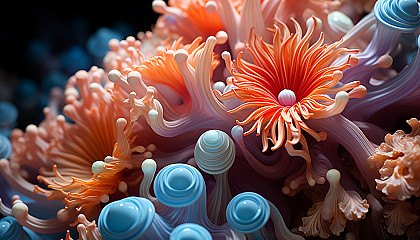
pixel 253 119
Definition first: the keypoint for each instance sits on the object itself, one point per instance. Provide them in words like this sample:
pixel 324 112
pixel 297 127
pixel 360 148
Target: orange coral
pixel 397 160
pixel 289 81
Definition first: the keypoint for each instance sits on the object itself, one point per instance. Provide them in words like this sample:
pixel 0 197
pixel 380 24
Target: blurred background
pixel 43 43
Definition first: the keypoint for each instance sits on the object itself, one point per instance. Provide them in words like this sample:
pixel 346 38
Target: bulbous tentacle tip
pixel 133 77
pixel 63 215
pixel 211 41
pixel 121 122
pixel 148 166
pixel 247 212
pixel 31 131
pixel 342 97
pixel 114 75
pixel 159 6
pixel 358 92
pixel 353 60
pixel 221 37
pixel 181 56
pixel 237 132
pixel 337 75
pixel 286 98
pixel 285 190
pixel 98 167
pixel 211 6
pixel 239 47
pixel 19 209
pixel 94 87
pixel 153 114
pixel 113 44
pixel 333 176
pixel 385 61
pixel 322 136
pixel 81 75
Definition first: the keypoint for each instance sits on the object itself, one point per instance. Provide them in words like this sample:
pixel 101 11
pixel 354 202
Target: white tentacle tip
pixel 133 77
pixel 19 209
pixel 93 87
pixel 98 167
pixel 148 166
pixel 153 114
pixel 211 6
pixel 342 97
pixel 211 40
pixel 237 132
pixel 181 56
pixel 333 176
pixel 159 6
pixel 221 37
pixel 114 75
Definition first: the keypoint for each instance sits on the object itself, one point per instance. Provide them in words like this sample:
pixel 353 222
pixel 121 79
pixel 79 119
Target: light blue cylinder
pixel 178 185
pixel 126 219
pixel 190 231
pixel 10 229
pixel 402 15
pixel 247 212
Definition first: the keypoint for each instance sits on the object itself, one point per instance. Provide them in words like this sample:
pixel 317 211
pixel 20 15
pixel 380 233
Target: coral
pixel 398 216
pixel 396 161
pixel 331 215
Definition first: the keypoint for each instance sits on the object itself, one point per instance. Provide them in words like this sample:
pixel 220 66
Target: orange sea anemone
pixel 99 132
pixel 289 80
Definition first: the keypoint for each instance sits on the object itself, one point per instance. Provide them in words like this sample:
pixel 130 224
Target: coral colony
pixel 231 120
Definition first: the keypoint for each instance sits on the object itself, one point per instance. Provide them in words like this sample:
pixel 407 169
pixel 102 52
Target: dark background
pixel 35 35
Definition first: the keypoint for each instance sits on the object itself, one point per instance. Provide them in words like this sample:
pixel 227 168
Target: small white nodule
pixel 287 98
pixel 98 167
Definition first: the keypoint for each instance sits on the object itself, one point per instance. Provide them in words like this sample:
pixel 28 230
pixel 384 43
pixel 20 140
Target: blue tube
pixel 10 229
pixel 178 185
pixel 131 218
pixel 248 212
pixel 190 231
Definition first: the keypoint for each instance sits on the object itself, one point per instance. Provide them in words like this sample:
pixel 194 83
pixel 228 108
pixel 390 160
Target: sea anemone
pixel 98 133
pixel 289 80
